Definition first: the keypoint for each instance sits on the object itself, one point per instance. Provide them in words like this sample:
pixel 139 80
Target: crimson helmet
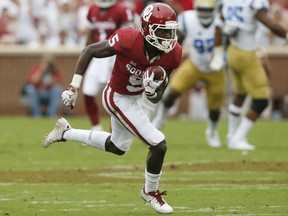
pixel 159 16
pixel 105 3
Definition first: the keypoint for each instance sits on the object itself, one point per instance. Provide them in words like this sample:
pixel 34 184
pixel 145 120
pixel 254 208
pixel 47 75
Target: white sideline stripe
pixel 187 187
pixel 183 209
pixel 6 199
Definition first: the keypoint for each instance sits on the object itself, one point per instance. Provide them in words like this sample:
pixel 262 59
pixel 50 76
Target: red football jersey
pixel 131 61
pixel 105 22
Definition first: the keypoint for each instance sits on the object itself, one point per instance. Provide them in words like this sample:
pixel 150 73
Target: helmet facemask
pixel 163 43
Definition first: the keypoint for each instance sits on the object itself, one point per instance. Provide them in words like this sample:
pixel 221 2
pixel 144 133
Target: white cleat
pixel 56 135
pixel 241 145
pixel 156 201
pixel 212 138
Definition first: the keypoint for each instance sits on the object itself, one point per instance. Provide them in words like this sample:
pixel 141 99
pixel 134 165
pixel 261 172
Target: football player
pixel 248 76
pixel 155 43
pixel 198 27
pixel 105 16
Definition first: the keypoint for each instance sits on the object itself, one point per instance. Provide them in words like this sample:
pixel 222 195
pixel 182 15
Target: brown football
pixel 159 72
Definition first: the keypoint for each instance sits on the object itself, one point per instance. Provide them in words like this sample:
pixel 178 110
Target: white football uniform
pixel 241 14
pixel 97 75
pixel 200 39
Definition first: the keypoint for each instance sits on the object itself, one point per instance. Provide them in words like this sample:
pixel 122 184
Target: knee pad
pixel 258 105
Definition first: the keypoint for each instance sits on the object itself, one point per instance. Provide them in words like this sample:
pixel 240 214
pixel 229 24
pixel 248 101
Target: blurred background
pixel 31 30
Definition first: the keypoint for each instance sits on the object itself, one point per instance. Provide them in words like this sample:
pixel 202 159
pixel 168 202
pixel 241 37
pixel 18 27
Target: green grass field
pixel 71 179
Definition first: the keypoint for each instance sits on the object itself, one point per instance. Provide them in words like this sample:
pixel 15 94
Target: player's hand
pixel 230 31
pixel 150 85
pixel 217 61
pixel 69 96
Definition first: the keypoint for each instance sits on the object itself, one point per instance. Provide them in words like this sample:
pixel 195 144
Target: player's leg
pixel 64 132
pixel 182 80
pixel 96 77
pixel 234 114
pixel 235 106
pixel 215 86
pixel 130 113
pixel 255 82
pixel 118 142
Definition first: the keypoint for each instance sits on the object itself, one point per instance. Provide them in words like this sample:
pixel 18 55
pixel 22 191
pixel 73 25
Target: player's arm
pixel 274 26
pixel 90 37
pixel 97 50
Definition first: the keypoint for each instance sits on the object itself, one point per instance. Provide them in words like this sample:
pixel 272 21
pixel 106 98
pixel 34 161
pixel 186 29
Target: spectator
pixel 7 24
pixel 44 88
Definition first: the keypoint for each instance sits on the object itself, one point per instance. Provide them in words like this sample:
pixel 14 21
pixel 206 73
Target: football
pixel 159 72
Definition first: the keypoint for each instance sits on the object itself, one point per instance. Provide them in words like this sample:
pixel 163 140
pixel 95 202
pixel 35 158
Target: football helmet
pixel 159 26
pixel 105 3
pixel 205 11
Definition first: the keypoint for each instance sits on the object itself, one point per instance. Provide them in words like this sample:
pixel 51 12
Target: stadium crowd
pixel 55 22
pixel 63 22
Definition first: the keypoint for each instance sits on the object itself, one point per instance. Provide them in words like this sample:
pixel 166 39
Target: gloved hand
pixel 69 96
pixel 150 85
pixel 230 31
pixel 217 61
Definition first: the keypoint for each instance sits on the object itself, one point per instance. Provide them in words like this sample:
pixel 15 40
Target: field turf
pixel 72 179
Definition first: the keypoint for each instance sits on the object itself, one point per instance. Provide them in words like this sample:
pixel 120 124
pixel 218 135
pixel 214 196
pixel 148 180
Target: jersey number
pixel 113 40
pixel 136 84
pixel 203 46
pixel 235 13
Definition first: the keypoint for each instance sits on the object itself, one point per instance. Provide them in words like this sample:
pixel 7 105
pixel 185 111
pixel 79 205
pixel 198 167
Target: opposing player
pixel 248 76
pixel 198 27
pixel 154 44
pixel 105 17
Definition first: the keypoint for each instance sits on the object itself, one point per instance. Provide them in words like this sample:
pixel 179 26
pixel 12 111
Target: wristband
pixel 76 81
pixel 152 96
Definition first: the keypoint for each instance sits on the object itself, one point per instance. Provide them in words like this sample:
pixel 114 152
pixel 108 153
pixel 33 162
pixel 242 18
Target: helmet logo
pixel 147 13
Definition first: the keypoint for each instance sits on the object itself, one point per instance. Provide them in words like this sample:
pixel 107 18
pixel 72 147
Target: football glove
pixel 69 96
pixel 150 85
pixel 230 31
pixel 217 61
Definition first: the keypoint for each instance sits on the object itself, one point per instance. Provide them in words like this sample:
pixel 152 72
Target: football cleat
pixel 56 135
pixel 241 145
pixel 156 201
pixel 212 138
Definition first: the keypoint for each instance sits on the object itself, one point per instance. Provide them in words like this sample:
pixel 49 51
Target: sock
pixel 243 129
pixel 92 138
pixel 151 181
pixel 92 109
pixel 233 119
pixel 211 125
